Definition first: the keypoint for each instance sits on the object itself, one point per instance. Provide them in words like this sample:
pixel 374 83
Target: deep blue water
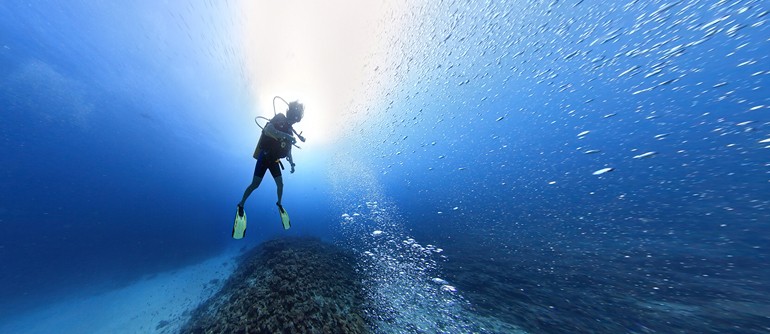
pixel 127 136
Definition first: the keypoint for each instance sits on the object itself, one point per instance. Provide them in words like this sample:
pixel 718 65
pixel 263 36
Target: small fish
pixel 499 118
pixel 645 155
pixel 648 89
pixel 603 170
pixel 632 69
pixel 661 136
pixel 439 281
pixel 712 23
pixel 764 141
pixel 653 72
pixel 723 83
pixel 591 151
pixel 610 115
pixel 448 288
pixel 583 133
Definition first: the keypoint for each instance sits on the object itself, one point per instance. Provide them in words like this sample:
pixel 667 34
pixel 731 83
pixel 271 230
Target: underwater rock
pixel 292 285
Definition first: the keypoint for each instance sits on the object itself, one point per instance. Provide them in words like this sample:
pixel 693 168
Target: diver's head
pixel 296 112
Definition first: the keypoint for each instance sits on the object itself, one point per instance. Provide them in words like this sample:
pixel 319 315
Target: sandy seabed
pixel 159 304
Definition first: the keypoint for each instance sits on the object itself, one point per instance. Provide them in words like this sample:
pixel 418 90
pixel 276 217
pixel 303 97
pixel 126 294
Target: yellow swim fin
pixel 239 228
pixel 284 218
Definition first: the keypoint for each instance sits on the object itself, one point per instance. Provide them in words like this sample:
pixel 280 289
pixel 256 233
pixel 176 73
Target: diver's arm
pixel 274 133
pixel 291 161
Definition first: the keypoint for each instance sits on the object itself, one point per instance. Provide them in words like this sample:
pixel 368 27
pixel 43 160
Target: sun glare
pixel 314 52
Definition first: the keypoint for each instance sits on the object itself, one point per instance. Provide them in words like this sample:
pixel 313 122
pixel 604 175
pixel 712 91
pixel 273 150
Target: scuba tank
pixel 295 112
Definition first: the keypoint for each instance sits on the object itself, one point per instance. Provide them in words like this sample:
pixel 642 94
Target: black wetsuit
pixel 270 151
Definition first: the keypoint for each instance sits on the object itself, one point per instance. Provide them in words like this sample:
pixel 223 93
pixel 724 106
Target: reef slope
pixel 291 285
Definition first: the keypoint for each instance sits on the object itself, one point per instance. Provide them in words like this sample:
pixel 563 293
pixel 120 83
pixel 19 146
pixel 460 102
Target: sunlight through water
pixel 314 52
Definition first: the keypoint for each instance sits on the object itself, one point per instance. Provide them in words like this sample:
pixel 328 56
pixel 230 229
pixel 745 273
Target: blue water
pixel 127 136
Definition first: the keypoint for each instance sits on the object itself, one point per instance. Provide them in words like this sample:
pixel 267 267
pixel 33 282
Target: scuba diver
pixel 274 144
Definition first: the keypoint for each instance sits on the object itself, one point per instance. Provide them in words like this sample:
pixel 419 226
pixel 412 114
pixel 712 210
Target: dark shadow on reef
pixel 292 285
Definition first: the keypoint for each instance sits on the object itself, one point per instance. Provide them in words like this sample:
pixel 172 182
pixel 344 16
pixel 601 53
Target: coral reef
pixel 291 285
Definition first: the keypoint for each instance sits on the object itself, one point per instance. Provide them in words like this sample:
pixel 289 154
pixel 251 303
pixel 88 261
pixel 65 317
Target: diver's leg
pixel 259 172
pixel 279 185
pixel 275 171
pixel 254 185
